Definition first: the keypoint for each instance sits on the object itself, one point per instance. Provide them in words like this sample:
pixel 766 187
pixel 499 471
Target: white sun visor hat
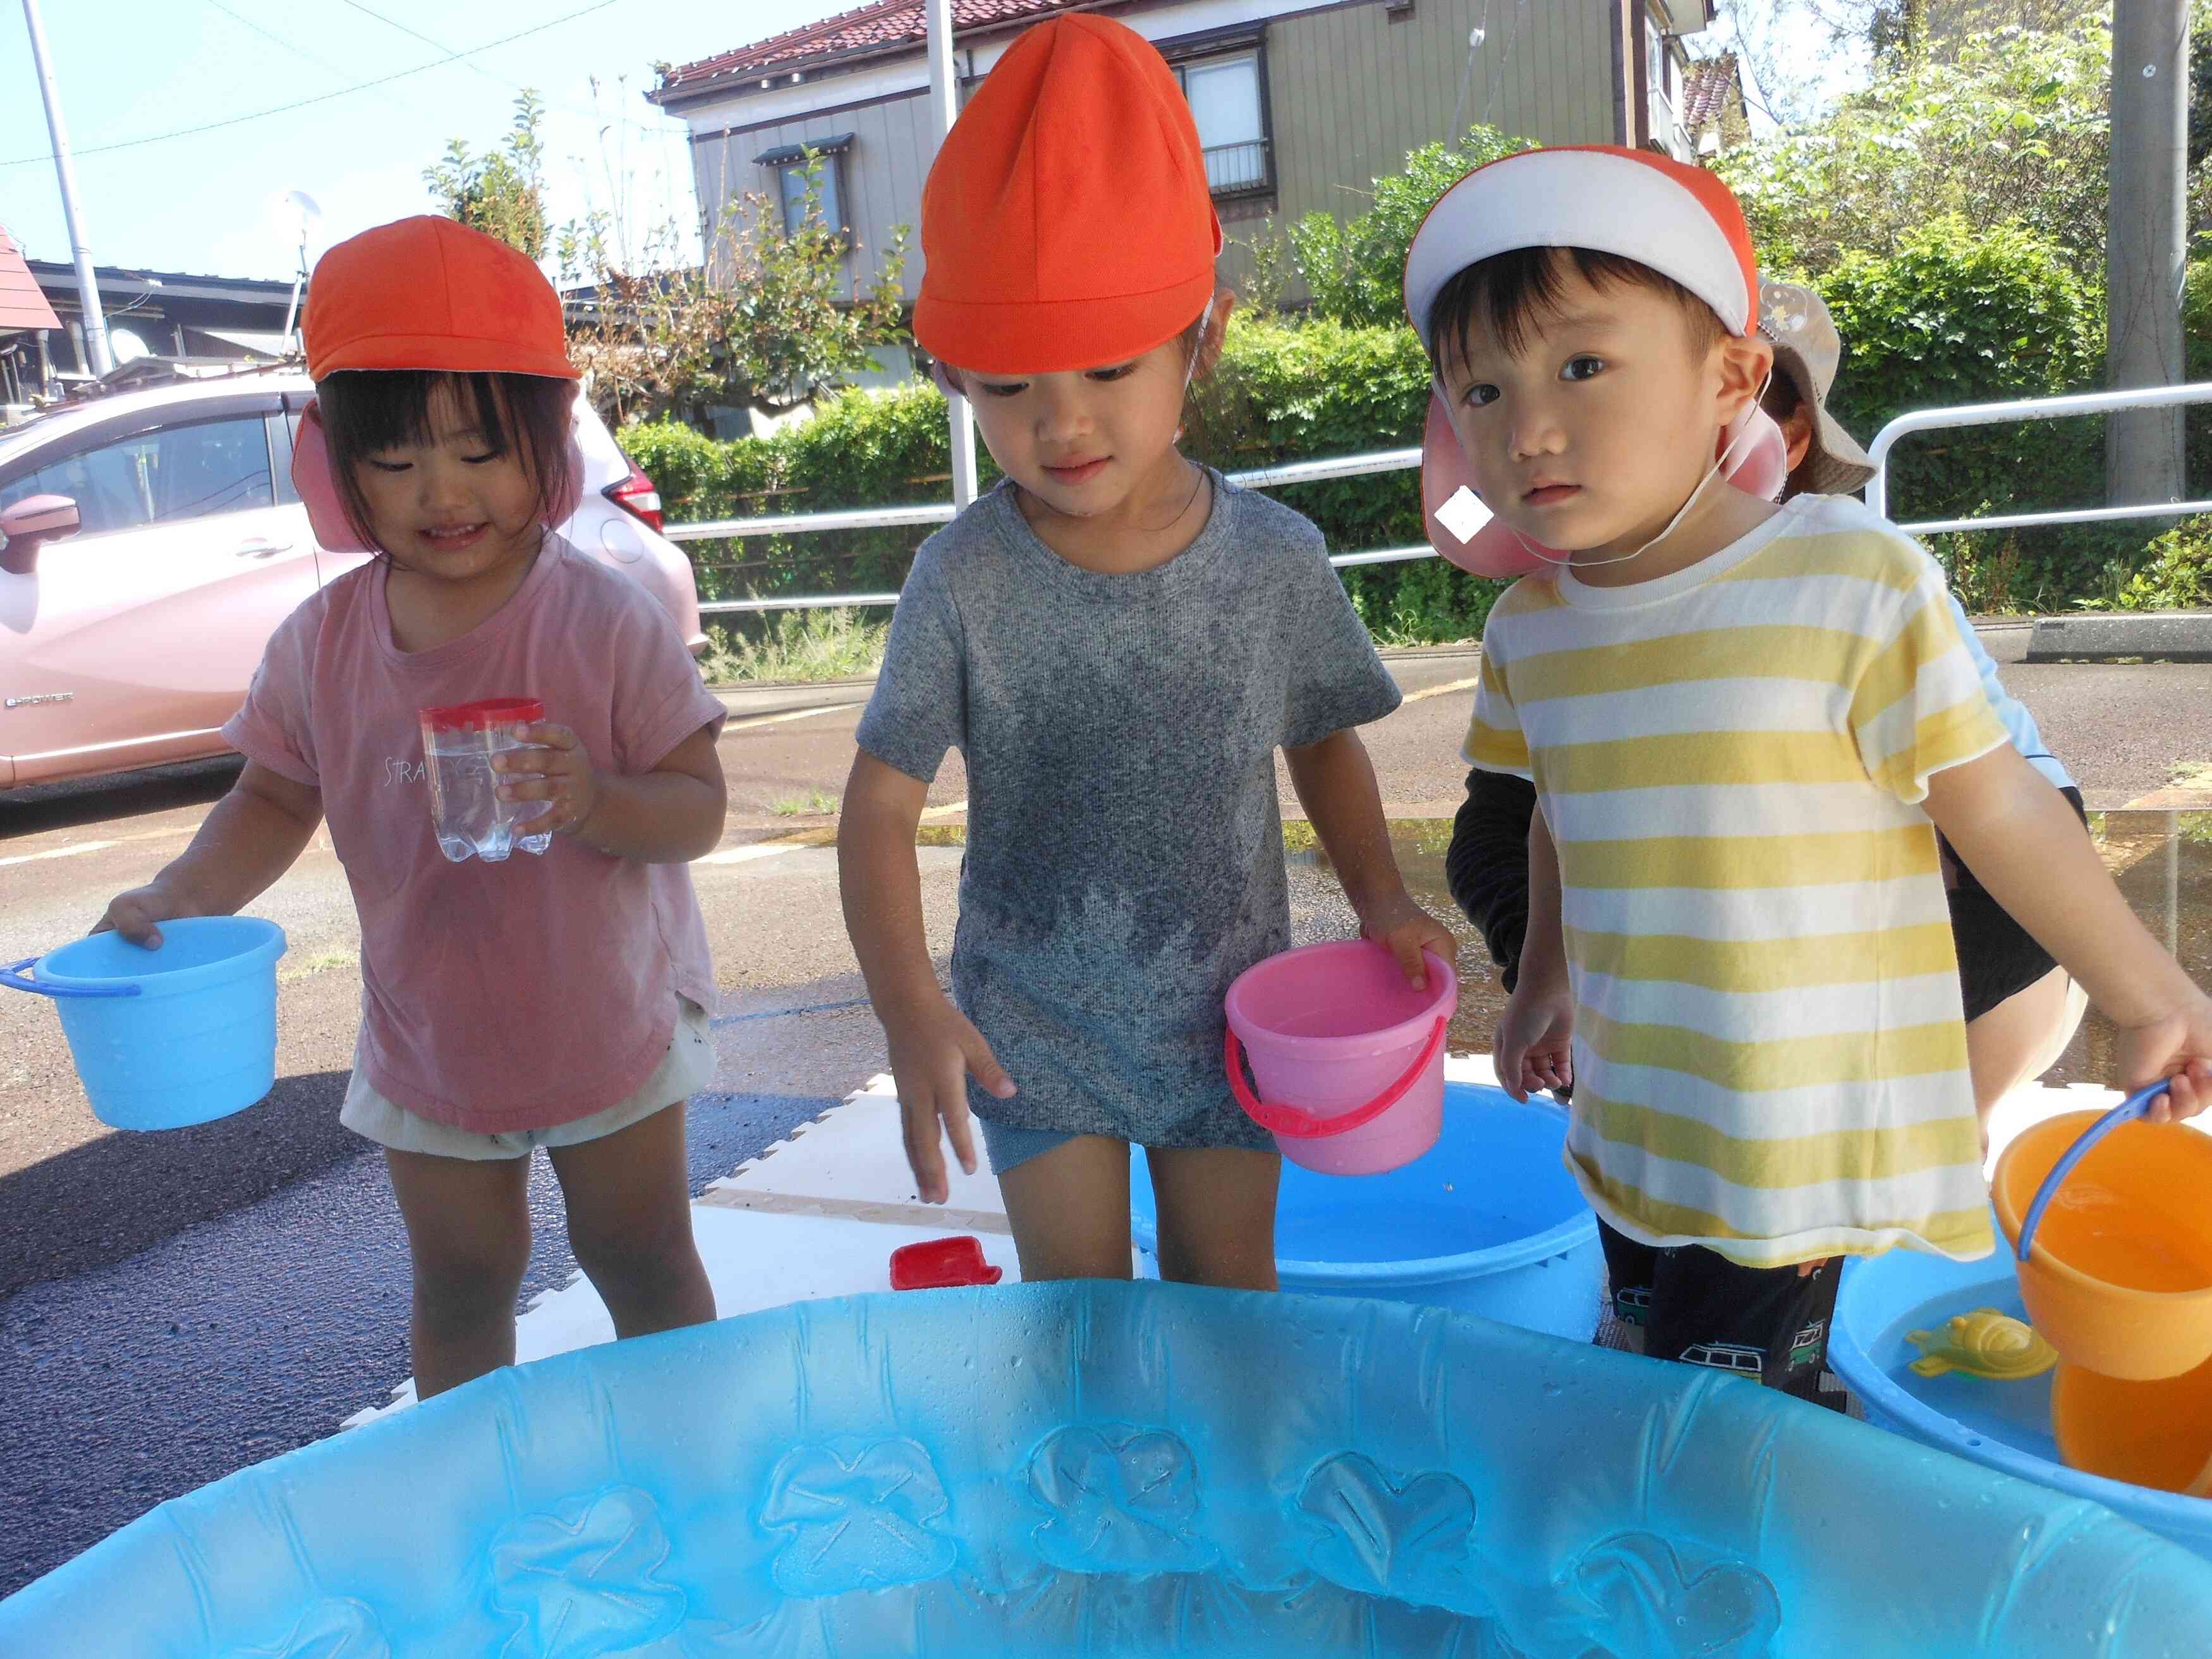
pixel 1681 221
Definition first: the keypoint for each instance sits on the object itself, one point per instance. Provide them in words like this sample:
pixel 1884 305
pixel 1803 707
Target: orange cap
pixel 1067 223
pixel 429 293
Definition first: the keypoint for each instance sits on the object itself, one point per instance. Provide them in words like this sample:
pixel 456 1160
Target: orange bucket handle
pixel 2135 1106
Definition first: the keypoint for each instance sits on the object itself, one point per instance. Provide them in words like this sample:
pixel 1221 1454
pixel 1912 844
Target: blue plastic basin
pixel 1488 1221
pixel 173 1036
pixel 2003 1426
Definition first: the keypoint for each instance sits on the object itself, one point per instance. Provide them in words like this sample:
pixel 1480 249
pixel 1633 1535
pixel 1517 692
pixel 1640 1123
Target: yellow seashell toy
pixel 1987 1344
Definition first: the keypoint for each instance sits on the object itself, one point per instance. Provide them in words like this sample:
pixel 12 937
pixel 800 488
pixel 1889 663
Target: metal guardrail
pixel 1399 460
pixel 2032 409
pixel 884 517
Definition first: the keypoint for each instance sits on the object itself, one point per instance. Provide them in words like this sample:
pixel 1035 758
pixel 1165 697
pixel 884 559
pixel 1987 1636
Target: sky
pixel 208 202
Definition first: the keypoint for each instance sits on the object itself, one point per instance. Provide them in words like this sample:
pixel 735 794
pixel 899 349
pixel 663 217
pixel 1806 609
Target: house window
pixel 794 166
pixel 1228 99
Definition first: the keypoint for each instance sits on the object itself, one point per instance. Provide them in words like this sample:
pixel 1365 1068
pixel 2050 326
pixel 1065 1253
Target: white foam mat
pixel 818 1213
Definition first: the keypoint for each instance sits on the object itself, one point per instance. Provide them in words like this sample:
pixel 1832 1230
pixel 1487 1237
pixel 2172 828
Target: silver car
pixel 134 609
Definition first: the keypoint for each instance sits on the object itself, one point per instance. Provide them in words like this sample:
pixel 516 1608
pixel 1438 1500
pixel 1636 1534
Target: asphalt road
pixel 174 1306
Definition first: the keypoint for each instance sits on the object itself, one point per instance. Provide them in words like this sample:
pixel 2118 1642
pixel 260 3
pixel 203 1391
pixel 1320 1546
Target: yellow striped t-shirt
pixel 1770 1058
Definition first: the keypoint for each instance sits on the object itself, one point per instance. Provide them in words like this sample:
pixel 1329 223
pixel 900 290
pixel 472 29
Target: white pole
pixel 944 100
pixel 88 285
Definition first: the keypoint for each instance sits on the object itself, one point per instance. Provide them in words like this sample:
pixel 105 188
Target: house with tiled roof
pixel 1301 104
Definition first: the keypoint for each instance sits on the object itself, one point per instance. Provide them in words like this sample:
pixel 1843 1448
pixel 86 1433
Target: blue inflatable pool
pixel 1117 1469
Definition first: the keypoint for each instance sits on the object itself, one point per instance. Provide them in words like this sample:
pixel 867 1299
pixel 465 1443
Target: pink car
pixel 153 544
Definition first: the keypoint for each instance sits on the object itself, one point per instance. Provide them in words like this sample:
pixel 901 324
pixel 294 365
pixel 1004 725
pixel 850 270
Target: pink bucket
pixel 1349 1057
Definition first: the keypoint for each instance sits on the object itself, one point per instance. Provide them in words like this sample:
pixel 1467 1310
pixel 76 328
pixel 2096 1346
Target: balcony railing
pixel 1233 169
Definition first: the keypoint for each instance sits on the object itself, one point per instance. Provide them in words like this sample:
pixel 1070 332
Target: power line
pixel 488 75
pixel 322 98
pixel 271 35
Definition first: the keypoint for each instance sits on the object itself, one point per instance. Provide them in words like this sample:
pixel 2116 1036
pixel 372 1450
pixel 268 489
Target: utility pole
pixel 2145 243
pixel 944 102
pixel 88 285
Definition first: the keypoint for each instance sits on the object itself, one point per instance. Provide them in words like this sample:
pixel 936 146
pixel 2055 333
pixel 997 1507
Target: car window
pixel 178 473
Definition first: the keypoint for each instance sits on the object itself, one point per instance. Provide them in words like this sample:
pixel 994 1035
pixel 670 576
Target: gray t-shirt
pixel 1125 853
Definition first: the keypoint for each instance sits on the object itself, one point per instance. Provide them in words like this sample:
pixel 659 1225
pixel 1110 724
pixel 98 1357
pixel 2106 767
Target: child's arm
pixel 2020 838
pixel 670 815
pixel 1535 1039
pixel 933 1046
pixel 255 833
pixel 1487 864
pixel 1335 780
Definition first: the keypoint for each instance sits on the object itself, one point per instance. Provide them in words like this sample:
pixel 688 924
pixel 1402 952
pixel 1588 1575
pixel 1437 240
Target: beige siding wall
pixel 883 173
pixel 1352 91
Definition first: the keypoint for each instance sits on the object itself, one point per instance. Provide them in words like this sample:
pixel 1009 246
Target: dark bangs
pixel 366 411
pixel 1501 298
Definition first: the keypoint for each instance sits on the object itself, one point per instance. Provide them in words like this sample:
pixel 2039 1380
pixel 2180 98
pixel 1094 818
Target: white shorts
pixel 688 1068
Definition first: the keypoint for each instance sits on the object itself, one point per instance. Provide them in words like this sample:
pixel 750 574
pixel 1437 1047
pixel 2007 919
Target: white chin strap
pixel 1681 513
pixel 1190 368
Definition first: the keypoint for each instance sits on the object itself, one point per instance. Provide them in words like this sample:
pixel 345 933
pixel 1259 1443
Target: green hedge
pixel 1955 316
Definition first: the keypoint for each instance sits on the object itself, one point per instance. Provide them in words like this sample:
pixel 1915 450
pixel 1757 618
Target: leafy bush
pixel 1354 271
pixel 2177 575
pixel 1957 315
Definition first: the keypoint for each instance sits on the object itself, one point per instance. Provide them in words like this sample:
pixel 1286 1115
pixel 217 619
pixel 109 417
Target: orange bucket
pixel 2111 1222
pixel 2149 1434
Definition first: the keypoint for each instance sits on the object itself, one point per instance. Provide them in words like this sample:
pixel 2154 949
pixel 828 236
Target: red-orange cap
pixel 429 293
pixel 1067 223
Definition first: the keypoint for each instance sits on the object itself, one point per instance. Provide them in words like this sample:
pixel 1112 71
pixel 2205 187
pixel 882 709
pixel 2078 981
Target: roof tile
pixel 875 27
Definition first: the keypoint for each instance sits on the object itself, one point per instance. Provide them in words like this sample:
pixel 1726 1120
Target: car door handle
pixel 262 548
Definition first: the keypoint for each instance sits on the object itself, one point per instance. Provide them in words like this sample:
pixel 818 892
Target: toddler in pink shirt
pixel 560 1000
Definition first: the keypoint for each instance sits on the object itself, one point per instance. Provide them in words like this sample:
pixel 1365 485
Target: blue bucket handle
pixel 16 977
pixel 2136 1105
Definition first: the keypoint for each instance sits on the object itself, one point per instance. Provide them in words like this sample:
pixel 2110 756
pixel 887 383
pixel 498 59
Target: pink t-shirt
pixel 496 997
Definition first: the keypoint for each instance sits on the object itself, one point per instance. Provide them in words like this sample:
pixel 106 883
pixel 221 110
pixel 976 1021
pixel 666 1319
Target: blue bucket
pixel 172 1037
pixel 2001 1425
pixel 1487 1221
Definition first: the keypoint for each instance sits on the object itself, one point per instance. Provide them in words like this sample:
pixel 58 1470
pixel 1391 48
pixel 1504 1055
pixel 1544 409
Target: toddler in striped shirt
pixel 1744 724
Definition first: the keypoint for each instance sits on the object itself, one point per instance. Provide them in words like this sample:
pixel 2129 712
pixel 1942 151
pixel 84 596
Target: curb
pixel 2152 636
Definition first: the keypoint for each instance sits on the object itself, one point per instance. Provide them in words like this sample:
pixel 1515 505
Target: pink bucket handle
pixel 1296 1125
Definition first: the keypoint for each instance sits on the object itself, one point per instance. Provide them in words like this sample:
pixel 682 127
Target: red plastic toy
pixel 939 1264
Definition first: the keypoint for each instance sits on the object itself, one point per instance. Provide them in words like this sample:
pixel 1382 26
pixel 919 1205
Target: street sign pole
pixel 95 320
pixel 944 102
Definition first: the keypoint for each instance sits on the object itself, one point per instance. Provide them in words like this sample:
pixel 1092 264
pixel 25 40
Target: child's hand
pixel 1535 1042
pixel 135 915
pixel 934 1051
pixel 2178 1047
pixel 558 770
pixel 1405 930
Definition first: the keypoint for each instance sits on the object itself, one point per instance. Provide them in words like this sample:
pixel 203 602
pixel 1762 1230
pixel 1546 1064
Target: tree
pixel 1355 271
pixel 501 192
pixel 2014 126
pixel 769 320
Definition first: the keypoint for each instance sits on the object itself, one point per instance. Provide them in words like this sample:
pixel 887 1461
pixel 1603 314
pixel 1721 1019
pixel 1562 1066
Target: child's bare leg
pixel 1069 1208
pixel 629 1223
pixel 1217 1207
pixel 468 1232
pixel 2020 1039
